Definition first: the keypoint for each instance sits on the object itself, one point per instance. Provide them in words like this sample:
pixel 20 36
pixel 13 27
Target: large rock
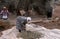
pixel 10 34
pixel 46 33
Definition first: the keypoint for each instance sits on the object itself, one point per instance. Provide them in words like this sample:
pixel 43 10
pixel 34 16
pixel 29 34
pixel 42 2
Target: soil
pixel 52 24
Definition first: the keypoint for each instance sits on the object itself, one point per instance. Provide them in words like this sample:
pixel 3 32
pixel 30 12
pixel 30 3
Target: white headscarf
pixel 28 18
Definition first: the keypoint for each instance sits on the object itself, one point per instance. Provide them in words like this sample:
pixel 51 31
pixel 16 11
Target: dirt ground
pixel 50 25
pixel 55 23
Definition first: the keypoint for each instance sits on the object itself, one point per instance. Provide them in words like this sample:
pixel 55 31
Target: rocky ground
pixel 40 33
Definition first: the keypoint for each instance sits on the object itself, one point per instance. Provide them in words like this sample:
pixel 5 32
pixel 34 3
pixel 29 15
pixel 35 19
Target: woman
pixel 4 13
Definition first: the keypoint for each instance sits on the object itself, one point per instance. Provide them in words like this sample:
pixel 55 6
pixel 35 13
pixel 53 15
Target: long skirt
pixel 20 27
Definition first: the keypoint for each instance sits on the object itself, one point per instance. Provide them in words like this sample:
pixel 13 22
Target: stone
pixel 30 30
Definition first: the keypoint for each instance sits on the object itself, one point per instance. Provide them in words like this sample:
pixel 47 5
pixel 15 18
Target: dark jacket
pixel 20 23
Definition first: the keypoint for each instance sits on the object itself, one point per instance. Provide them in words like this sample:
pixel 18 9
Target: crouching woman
pixel 21 22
